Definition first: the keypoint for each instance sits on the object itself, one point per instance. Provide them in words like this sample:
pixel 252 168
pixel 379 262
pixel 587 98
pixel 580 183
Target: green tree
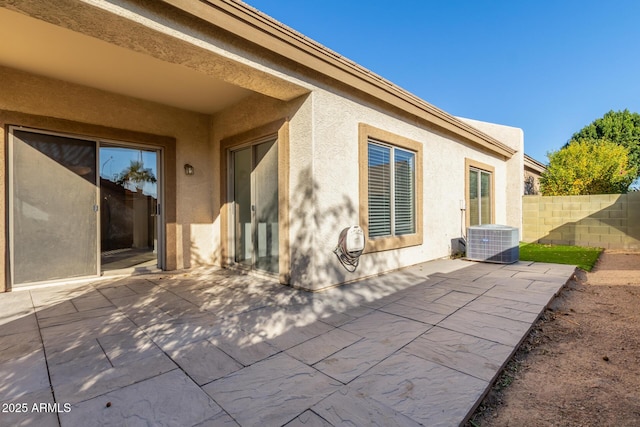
pixel 136 174
pixel 588 166
pixel 620 127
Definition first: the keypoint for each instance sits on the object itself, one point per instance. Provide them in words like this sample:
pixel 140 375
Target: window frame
pixel 367 133
pixel 482 167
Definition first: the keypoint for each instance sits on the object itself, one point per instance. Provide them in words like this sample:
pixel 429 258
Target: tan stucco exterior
pixel 221 79
pixel 509 186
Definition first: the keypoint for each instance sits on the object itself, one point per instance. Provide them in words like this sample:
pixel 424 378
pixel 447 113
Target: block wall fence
pixel 609 221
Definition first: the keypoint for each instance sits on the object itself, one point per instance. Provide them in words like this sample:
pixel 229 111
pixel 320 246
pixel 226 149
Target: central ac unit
pixel 493 243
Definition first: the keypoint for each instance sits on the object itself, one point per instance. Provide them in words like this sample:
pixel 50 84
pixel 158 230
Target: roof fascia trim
pixel 534 164
pixel 258 28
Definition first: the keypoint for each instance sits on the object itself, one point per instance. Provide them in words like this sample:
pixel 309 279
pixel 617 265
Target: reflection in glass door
pixel 53 217
pixel 128 207
pixel 255 202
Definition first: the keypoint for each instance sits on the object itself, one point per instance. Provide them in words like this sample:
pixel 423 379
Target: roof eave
pixel 534 164
pixel 258 28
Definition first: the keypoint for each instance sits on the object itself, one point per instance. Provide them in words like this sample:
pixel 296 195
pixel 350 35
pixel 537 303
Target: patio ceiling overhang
pixel 79 43
pixel 142 51
pixel 256 27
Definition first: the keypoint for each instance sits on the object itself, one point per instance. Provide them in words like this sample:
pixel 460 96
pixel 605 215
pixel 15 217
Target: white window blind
pixel 404 187
pixel 379 190
pixel 391 187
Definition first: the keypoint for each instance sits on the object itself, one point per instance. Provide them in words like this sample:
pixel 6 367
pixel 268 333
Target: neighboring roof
pixel 250 24
pixel 533 164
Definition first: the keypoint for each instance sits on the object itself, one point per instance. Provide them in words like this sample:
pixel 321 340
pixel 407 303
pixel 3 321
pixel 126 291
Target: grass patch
pixel 583 257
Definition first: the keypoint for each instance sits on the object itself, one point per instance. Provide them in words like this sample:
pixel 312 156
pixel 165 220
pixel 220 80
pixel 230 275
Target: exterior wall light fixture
pixel 188 169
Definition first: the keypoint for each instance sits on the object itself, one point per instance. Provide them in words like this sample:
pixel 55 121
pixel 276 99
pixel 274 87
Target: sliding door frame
pixel 99 142
pixel 280 130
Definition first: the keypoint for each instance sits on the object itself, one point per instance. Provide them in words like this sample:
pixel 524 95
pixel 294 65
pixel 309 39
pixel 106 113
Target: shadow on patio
pixel 420 345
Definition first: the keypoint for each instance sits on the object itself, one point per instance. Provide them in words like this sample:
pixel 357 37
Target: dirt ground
pixel 580 365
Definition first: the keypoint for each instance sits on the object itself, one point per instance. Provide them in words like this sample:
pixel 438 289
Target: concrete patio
pixel 211 347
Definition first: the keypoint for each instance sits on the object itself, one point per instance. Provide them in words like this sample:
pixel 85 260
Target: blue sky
pixel 548 67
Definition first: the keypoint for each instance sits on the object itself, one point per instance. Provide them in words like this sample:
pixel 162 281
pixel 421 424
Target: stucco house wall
pixel 317 117
pixel 336 177
pixel 324 180
pixel 512 184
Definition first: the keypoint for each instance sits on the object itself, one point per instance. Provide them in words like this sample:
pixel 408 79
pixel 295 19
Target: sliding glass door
pixel 70 218
pixel 254 179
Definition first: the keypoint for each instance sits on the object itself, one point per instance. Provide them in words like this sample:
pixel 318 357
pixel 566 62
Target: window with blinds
pixel 391 187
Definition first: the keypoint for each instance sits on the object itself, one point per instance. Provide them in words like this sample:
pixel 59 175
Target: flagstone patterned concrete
pixel 211 347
